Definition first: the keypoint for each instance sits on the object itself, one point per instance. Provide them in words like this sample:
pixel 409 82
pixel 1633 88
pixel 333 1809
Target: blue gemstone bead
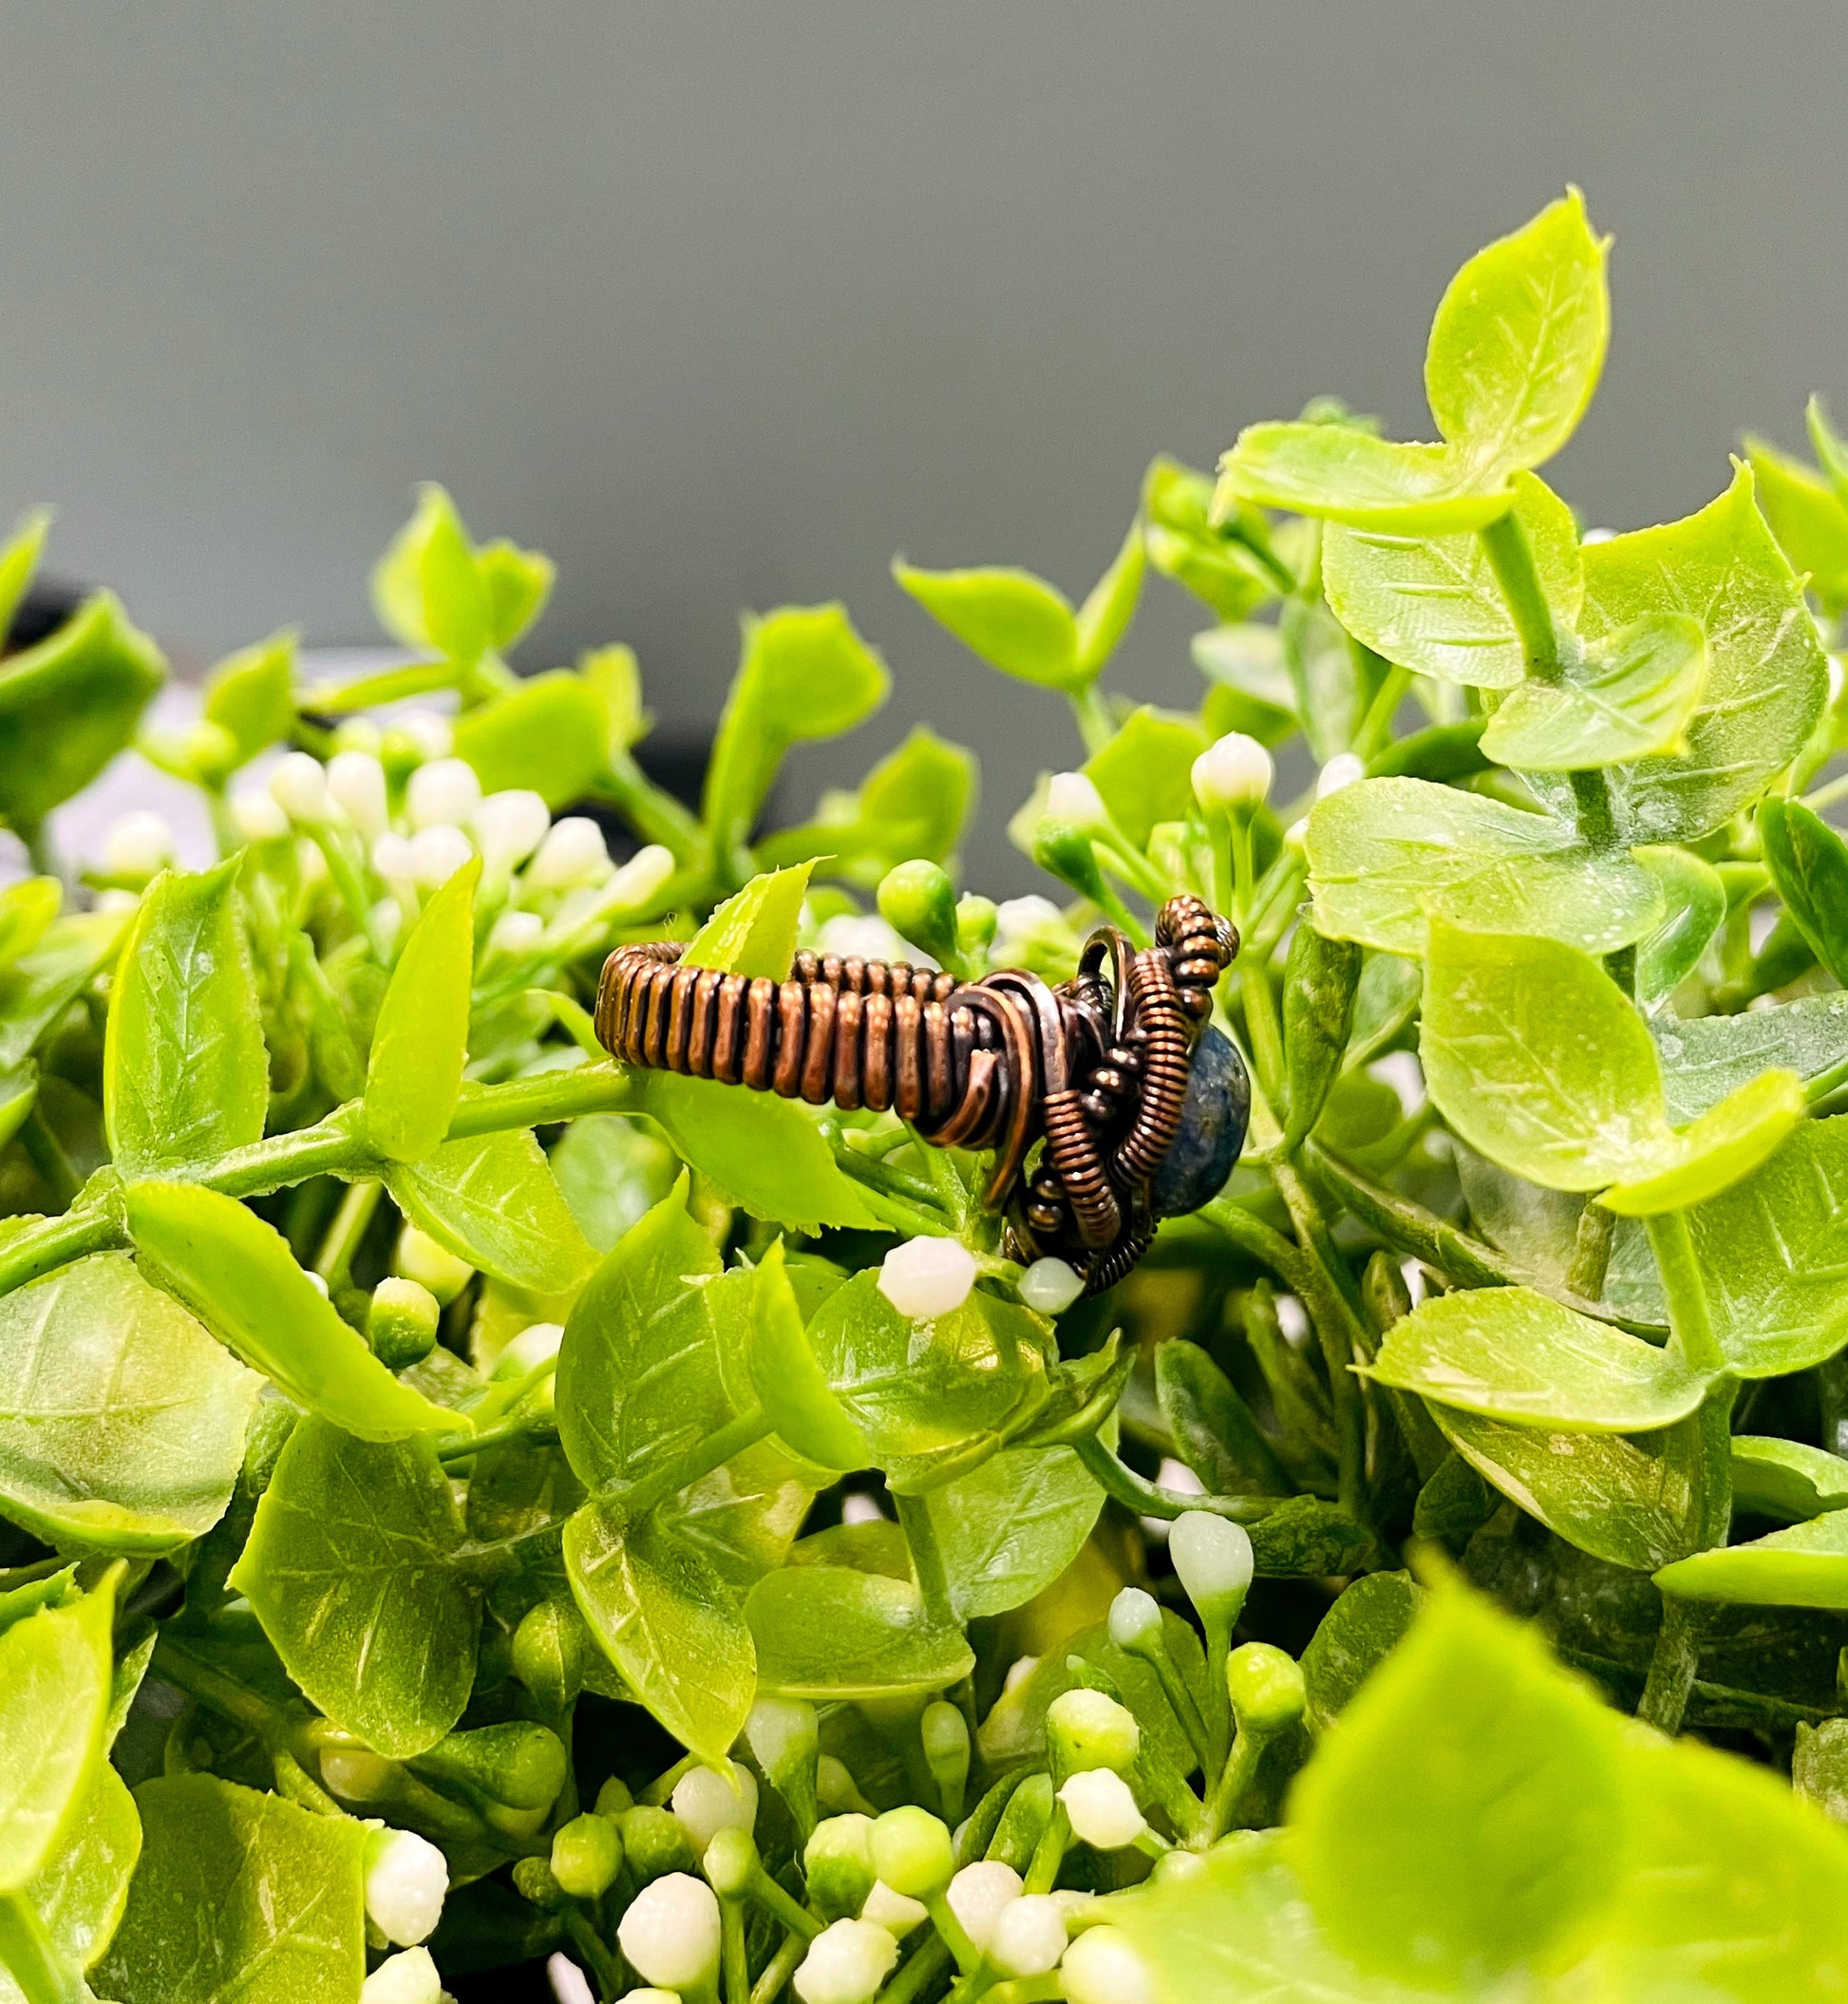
pixel 1212 1132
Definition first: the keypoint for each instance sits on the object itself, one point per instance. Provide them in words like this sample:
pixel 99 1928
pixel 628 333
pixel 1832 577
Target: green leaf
pixel 1342 475
pixel 1333 681
pixel 121 1421
pixel 1009 1528
pixel 753 932
pixel 1705 1058
pixel 1366 1623
pixel 914 802
pixel 44 982
pixel 1538 1062
pixel 1465 1822
pixel 611 1171
pixel 1432 603
pixel 55 1677
pixel 1785 1479
pixel 1014 622
pixel 1213 1430
pixel 1387 855
pixel 27 910
pixel 1808 519
pixel 252 694
pixel 1629 1499
pixel 829 1633
pixel 492 1200
pixel 419 1043
pixel 1145 771
pixel 1806 1565
pixel 1728 1141
pixel 69 705
pixel 1808 863
pixel 1111 604
pixel 550 735
pixel 428 590
pixel 351 1568
pixel 801 1404
pixel 237 1274
pixel 926 1394
pixel 1517 342
pixel 668 1620
pixel 79 1891
pixel 1512 1354
pixel 1633 695
pixel 19 559
pixel 519 583
pixel 1767 674
pixel 240 1897
pixel 1773 1252
pixel 1694 899
pixel 185 1076
pixel 759 1152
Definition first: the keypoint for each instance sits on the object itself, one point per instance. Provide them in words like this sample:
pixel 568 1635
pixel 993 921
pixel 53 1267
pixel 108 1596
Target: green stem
pixel 1227 1799
pixel 1376 726
pixel 1690 1326
pixel 1093 715
pixel 1147 1499
pixel 1672 1666
pixel 589 1943
pixel 1050 1853
pixel 344 1235
pixel 779 1969
pixel 1263 1242
pixel 735 1971
pixel 1340 1334
pixel 700 1460
pixel 463 1447
pixel 927 1560
pixel 656 816
pixel 1591 1252
pixel 27 1952
pixel 1261 1025
pixel 929 1965
pixel 347 881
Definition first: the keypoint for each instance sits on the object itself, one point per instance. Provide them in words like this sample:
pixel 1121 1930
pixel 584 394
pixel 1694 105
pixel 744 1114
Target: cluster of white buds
pixel 926 1277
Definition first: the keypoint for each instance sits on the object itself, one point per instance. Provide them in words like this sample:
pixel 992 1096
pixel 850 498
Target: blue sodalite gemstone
pixel 1212 1128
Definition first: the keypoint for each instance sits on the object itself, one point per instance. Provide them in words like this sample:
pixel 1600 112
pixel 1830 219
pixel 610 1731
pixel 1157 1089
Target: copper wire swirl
pixel 1096 1069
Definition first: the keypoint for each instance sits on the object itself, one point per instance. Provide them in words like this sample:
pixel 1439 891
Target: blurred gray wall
pixel 723 304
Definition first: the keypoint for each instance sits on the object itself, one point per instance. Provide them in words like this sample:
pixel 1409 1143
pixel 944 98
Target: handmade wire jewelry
pixel 1140 1102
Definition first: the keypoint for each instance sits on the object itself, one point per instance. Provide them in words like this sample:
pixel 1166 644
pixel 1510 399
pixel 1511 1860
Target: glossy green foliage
pixel 419 1043
pixel 251 695
pixel 54 1700
pixel 492 1200
pixel 826 1631
pixel 79 1893
pixel 754 933
pixel 549 736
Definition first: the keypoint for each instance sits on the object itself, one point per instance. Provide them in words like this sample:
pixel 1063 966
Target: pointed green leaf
pixel 829 1633
pixel 1809 864
pixel 550 736
pixel 1009 1528
pixel 1785 1479
pixel 1512 1354
pixel 519 582
pixel 1808 519
pixel 251 694
pixel 1728 1141
pixel 1145 771
pixel 1111 605
pixel 914 802
pixel 54 1697
pixel 46 980
pixel 81 1889
pixel 1694 901
pixel 419 1043
pixel 1806 1565
pixel 185 1076
pixel 753 932
pixel 800 1403
pixel 19 559
pixel 1704 1058
pixel 1342 475
pixel 1366 1623
pixel 428 589
pixel 1632 696
pixel 1014 622
pixel 1519 339
pixel 492 1200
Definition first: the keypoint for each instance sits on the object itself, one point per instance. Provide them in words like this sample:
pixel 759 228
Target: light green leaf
pixel 549 735
pixel 27 910
pixel 1333 681
pixel 1807 517
pixel 46 980
pixel 519 583
pixel 1512 1354
pixel 1517 342
pixel 1366 1623
pixel 1772 1477
pixel 19 559
pixel 1633 695
pixel 1630 1499
pixel 1145 771
pixel 829 1633
pixel 1217 565
pixel 1214 1432
pixel 1535 1059
pixel 807 1416
pixel 927 1394
pixel 1008 1529
pixel 1808 863
pixel 1014 622
pixel 252 694
pixel 121 1421
pixel 1111 605
pixel 237 1274
pixel 611 1171
pixel 914 802
pixel 1806 1565
pixel 1728 1141
pixel 1387 855
pixel 351 1568
pixel 428 589
pixel 54 1697
pixel 668 1622
pixel 1694 901
pixel 1343 475
pixel 759 1152
pixel 419 1043
pixel 753 932
pixel 185 1076
pixel 240 1899
pixel 82 1887
pixel 1704 1058
pixel 492 1200
pixel 1767 675
pixel 1432 603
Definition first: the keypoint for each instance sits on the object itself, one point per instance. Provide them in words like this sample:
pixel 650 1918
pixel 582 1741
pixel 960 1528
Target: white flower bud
pixel 707 1802
pixel 670 1931
pixel 898 1913
pixel 114 904
pixel 356 783
pixel 925 1277
pixel 979 1894
pixel 1050 1287
pixel 299 786
pixel 1297 835
pixel 257 818
pixel 406 1881
pixel 318 1280
pixel 1020 918
pixel 515 934
pixel 867 936
pixel 1101 1810
pixel 445 790
pixel 1104 1966
pixel 395 859
pixel 138 844
pixel 437 853
pixel 570 1985
pixel 430 735
pixel 1341 771
pixel 845 1964
pixel 407 1979
pixel 1029 1937
pixel 641 878
pixel 1235 772
pixel 572 853
pixel 587 1995
pixel 310 865
pixel 1212 1555
pixel 533 1346
pixel 1134 1619
pixel 509 825
pixel 1072 798
pixel 1018 1671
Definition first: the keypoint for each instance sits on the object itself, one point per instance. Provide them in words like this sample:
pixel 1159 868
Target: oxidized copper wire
pixel 1097 1068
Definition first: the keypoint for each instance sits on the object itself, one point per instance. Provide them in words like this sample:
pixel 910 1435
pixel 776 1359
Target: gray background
pixel 721 304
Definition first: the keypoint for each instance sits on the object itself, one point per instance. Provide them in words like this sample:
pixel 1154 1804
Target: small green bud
pixel 835 1789
pixel 401 1322
pixel 919 902
pixel 977 919
pixel 838 1865
pixel 614 1798
pixel 945 1733
pixel 586 1856
pixel 1086 1729
pixel 356 1774
pixel 547 1653
pixel 1065 852
pixel 731 1862
pixel 534 1881
pixel 1265 1688
pixel 656 1842
pixel 421 1259
pixel 912 1852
